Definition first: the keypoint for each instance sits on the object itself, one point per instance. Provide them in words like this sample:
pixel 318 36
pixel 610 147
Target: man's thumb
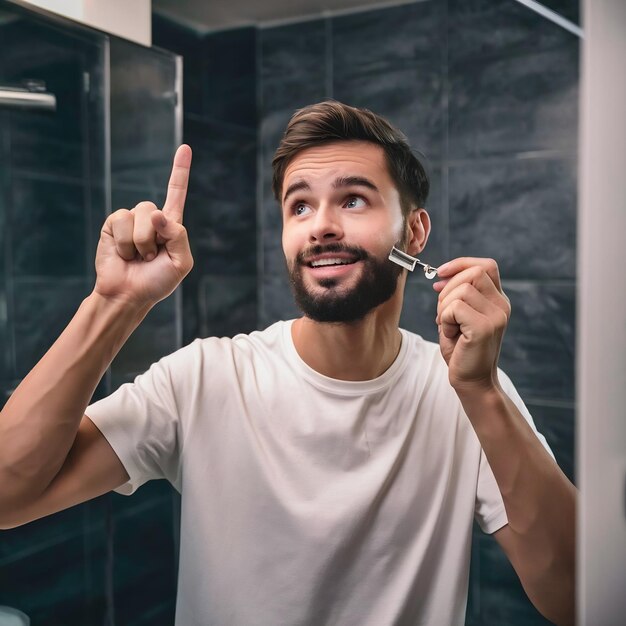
pixel 173 234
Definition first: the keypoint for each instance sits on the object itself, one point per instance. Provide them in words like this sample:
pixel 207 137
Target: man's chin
pixel 329 287
pixel 345 298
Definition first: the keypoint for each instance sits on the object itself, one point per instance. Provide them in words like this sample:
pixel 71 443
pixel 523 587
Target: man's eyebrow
pixel 300 185
pixel 351 181
pixel 342 181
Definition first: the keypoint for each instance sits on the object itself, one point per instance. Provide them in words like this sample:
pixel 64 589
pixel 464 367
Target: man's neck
pixel 360 350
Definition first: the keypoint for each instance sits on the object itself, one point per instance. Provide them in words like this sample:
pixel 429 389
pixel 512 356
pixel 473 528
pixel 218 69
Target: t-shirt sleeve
pixel 489 511
pixel 142 423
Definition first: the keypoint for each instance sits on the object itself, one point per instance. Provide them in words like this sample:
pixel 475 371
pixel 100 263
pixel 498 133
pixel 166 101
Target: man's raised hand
pixel 143 253
pixel 472 315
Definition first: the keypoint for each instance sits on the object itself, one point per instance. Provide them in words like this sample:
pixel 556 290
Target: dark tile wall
pixel 113 559
pixel 487 92
pixel 220 125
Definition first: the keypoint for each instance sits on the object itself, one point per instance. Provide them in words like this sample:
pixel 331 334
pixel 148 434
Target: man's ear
pixel 418 229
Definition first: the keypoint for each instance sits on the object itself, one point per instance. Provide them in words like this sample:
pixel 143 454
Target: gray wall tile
pixel 521 212
pixel 229 80
pixel 285 95
pixel 154 338
pixel 190 308
pixel 436 250
pixel 498 28
pixel 515 104
pixel 6 353
pixel 222 248
pixel 557 424
pixel 420 307
pixel 403 36
pixel 277 302
pixel 228 305
pixel 539 345
pixel 223 166
pixel 273 255
pixel 410 98
pixel 293 51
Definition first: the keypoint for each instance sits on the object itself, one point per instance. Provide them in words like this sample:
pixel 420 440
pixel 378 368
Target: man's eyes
pixel 355 202
pixel 352 202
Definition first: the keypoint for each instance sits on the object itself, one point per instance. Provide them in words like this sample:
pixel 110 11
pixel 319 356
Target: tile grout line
pixel 260 225
pixel 329 59
pixel 445 167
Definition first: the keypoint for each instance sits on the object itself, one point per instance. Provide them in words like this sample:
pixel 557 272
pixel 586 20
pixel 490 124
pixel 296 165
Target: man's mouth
pixel 331 256
pixel 330 262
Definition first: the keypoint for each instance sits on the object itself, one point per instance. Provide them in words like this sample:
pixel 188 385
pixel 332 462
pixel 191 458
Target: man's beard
pixel 377 283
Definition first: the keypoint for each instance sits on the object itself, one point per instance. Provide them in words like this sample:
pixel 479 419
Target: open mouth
pixel 330 262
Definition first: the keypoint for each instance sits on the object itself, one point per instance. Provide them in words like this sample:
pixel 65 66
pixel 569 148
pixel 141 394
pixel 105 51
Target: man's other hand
pixel 472 315
pixel 143 253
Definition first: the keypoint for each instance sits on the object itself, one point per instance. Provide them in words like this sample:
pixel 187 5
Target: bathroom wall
pixel 220 124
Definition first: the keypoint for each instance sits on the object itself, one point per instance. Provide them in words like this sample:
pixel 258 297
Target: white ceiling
pixel 207 15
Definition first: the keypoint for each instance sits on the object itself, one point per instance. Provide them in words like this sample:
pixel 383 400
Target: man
pixel 330 466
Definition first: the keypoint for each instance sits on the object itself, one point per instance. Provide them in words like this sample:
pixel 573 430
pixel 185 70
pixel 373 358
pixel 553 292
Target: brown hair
pixel 330 121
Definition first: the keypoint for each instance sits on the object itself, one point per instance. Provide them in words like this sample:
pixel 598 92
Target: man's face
pixel 341 216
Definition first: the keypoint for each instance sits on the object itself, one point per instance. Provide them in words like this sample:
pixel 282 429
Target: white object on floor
pixel 13 617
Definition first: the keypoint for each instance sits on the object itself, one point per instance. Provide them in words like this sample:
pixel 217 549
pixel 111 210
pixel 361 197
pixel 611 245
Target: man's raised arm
pixel 540 502
pixel 50 457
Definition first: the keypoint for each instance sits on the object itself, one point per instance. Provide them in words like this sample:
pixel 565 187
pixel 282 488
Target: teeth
pixel 321 262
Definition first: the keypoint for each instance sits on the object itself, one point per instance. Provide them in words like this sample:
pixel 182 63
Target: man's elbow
pixel 554 596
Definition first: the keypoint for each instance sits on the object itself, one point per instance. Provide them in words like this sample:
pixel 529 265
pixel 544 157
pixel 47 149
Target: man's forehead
pixel 338 159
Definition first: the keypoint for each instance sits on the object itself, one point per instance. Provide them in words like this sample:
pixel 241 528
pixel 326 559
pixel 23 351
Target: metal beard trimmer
pixel 409 262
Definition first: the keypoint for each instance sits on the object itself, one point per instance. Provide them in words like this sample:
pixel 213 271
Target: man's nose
pixel 326 225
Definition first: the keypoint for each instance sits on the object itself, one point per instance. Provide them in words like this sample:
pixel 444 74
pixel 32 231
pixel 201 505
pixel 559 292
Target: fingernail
pixel 442 268
pixel 150 256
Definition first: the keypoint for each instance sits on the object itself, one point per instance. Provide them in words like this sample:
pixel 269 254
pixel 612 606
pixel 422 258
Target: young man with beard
pixel 330 466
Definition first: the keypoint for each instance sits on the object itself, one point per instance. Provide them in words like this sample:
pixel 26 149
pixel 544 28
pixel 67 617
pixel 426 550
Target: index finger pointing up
pixel 177 187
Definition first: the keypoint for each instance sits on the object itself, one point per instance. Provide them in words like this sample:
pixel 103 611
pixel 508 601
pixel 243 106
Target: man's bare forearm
pixel 540 503
pixel 40 420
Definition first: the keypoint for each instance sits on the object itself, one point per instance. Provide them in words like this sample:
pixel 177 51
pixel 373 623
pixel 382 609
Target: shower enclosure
pixel 88 124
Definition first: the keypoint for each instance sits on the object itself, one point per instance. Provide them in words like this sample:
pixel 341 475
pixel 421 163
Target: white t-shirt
pixel 309 501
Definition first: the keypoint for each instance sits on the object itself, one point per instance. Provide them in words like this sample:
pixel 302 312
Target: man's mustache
pixel 303 257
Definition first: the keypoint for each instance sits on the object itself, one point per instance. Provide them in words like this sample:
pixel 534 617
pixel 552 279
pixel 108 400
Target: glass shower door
pixel 53 194
pixel 88 124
